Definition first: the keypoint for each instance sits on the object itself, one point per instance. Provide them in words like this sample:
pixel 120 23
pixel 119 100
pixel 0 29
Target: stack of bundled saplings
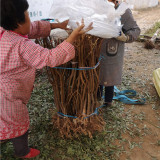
pixel 75 91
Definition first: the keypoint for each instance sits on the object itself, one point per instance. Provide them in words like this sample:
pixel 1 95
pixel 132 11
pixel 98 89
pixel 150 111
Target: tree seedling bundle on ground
pixel 75 86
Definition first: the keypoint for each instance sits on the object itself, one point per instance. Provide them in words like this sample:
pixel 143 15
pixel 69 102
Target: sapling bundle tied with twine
pixel 75 88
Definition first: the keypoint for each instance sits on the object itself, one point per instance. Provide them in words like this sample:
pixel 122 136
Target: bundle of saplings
pixel 75 86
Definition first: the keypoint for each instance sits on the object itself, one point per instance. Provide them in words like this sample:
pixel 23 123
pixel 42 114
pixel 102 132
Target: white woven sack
pixel 106 20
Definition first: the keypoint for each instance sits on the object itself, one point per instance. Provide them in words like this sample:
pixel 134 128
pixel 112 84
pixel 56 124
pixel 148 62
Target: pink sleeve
pixel 39 29
pixel 38 57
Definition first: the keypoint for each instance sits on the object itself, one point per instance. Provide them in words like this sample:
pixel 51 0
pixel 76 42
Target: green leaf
pixel 70 151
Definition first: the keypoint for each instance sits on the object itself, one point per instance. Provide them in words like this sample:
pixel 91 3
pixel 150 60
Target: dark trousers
pixel 20 145
pixel 108 95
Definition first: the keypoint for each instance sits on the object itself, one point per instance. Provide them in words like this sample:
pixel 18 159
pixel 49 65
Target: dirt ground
pixel 139 64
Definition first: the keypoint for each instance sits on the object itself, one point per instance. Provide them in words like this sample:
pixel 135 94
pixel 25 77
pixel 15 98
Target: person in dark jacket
pixel 113 52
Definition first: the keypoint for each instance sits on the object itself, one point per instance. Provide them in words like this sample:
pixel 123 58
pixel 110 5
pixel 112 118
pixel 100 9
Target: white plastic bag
pixel 39 9
pixel 106 20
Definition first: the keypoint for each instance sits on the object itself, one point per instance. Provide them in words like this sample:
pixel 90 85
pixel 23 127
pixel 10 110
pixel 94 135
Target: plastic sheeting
pixel 39 9
pixel 106 20
pixel 139 4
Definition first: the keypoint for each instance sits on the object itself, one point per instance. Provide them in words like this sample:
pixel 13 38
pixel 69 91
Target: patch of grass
pixel 102 146
pixel 152 30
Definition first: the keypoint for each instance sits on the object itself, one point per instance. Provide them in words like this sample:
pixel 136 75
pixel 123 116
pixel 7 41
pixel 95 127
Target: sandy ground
pixel 139 65
pixel 147 17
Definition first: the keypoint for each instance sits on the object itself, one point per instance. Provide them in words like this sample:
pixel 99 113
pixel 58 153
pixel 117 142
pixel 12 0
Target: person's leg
pixel 100 92
pixel 21 148
pixel 20 145
pixel 109 93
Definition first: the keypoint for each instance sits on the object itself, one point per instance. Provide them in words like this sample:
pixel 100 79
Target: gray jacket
pixel 113 52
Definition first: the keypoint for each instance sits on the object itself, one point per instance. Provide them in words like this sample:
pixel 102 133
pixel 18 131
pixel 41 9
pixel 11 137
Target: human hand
pixel 63 25
pixel 122 37
pixel 79 31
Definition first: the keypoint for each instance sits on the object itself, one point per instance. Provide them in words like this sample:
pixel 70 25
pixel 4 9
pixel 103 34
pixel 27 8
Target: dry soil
pixel 139 65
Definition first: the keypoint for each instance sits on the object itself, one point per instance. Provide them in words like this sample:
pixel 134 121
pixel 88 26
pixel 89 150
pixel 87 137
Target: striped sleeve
pixel 39 29
pixel 38 57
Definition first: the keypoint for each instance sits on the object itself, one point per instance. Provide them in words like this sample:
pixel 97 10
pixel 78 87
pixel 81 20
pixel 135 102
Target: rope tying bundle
pixel 92 114
pixel 82 68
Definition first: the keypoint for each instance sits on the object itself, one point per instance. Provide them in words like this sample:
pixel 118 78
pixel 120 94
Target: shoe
pixel 33 153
